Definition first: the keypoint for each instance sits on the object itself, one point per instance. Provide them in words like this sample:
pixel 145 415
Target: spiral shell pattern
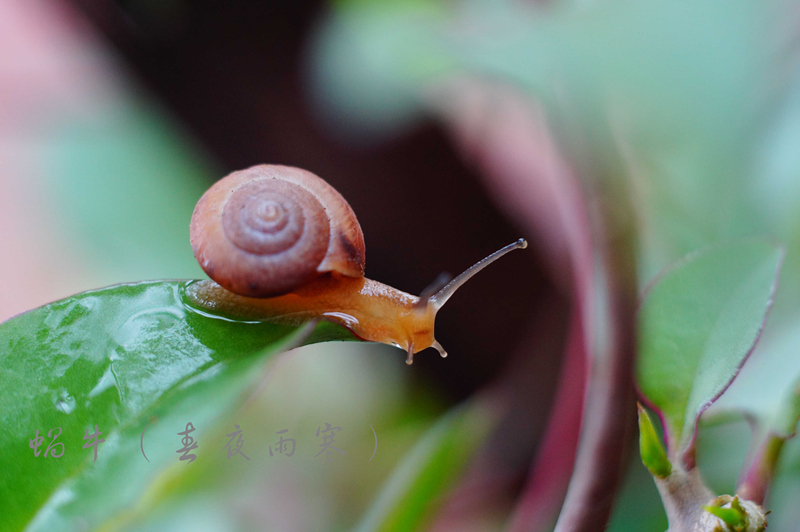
pixel 267 230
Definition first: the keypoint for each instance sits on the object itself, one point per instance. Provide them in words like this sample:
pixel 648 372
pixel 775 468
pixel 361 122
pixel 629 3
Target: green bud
pixel 734 516
pixel 654 456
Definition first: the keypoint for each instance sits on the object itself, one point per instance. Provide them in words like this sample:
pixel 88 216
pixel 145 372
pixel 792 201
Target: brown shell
pixel 269 229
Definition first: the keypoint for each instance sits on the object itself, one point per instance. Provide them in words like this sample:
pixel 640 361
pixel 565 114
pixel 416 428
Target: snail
pixel 282 245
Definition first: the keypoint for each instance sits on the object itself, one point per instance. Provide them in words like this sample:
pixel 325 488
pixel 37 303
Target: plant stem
pixel 684 494
pixel 759 476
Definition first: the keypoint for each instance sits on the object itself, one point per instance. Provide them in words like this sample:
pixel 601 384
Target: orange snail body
pixel 282 245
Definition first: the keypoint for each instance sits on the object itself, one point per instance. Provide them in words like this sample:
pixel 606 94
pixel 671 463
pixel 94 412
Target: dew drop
pixel 65 402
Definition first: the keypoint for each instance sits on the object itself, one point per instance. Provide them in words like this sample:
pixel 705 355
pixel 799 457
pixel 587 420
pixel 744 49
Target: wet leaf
pixel 131 359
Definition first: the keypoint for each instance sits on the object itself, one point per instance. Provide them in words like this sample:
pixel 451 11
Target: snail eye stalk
pixel 440 298
pixel 431 290
pixel 438 292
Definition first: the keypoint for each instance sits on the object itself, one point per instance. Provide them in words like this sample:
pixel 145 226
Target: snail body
pixel 373 311
pixel 282 245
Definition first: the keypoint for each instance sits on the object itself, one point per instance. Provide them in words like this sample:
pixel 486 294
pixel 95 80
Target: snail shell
pixel 267 230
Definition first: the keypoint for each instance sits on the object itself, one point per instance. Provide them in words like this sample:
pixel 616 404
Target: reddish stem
pixel 759 476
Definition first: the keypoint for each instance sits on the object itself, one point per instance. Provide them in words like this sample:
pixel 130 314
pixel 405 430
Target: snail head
pixel 418 322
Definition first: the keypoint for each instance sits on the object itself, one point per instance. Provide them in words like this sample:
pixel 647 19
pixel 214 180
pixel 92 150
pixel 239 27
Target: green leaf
pixel 125 358
pixel 418 485
pixel 696 328
pixel 653 454
pixel 776 406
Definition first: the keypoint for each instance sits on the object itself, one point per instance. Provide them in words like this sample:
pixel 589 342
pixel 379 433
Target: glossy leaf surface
pixel 129 359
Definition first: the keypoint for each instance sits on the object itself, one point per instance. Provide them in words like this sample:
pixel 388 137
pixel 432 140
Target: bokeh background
pixel 432 119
